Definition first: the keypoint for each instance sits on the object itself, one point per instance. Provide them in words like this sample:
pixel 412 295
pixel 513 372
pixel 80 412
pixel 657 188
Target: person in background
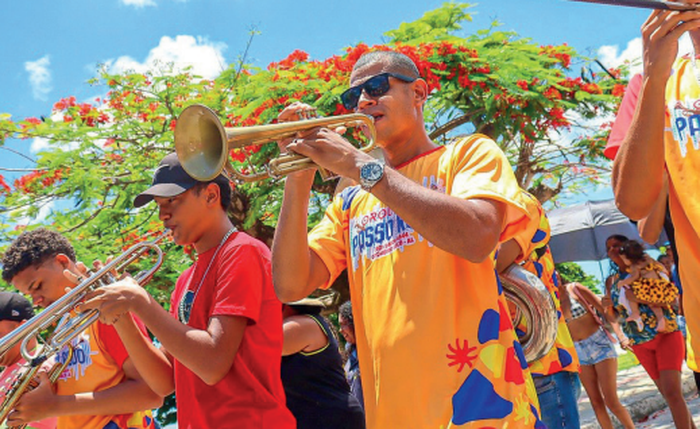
pixel 648 283
pixel 596 352
pixel 312 371
pixel 660 353
pixel 667 261
pixel 14 311
pixel 352 364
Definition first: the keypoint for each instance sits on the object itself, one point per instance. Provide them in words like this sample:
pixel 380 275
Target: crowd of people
pixel 422 234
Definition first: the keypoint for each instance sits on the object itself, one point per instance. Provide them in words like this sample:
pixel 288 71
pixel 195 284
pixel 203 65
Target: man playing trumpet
pixel 434 337
pixel 100 388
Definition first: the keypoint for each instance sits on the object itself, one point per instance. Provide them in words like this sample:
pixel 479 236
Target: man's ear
pixel 63 260
pixel 420 91
pixel 213 194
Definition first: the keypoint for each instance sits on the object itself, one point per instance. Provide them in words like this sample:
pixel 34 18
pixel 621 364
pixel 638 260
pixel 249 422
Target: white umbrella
pixel 579 232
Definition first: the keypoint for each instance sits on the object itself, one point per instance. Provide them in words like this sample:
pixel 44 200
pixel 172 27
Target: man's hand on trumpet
pixel 37 404
pixel 112 300
pixel 326 147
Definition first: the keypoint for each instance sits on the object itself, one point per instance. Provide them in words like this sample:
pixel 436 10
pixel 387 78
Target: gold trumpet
pixel 26 382
pixel 70 326
pixel 203 144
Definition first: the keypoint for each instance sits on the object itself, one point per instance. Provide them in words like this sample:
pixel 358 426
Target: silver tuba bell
pixel 531 306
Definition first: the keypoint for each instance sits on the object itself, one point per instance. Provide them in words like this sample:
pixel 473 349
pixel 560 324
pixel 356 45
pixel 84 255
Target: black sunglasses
pixel 374 87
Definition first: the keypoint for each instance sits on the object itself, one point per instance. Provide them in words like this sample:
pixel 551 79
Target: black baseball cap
pixel 170 179
pixel 15 307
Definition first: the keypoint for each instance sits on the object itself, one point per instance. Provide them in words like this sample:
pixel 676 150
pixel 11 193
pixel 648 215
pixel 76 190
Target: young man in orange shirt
pixel 100 388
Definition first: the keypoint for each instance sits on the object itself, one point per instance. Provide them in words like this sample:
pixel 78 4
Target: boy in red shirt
pixel 223 336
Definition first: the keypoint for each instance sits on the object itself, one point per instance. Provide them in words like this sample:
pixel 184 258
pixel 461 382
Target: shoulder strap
pixel 591 310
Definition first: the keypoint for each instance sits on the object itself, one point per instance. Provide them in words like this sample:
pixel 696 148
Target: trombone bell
pixel 200 143
pixel 203 144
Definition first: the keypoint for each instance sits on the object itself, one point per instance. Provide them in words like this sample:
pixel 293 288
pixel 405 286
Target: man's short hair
pixel 224 190
pixel 397 62
pixel 33 248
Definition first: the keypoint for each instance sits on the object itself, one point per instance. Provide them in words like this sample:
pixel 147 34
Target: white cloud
pixel 139 3
pixel 39 144
pixel 610 57
pixel 39 77
pixel 205 57
pixel 44 211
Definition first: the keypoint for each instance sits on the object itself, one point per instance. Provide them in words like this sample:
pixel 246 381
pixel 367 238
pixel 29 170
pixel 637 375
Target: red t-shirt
pixel 624 117
pixel 239 283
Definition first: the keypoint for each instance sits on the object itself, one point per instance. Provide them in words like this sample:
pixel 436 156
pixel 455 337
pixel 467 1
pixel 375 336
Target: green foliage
pixel 572 272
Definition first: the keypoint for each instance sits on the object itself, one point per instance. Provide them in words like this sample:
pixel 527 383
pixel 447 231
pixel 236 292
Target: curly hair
pixel 345 311
pixel 33 248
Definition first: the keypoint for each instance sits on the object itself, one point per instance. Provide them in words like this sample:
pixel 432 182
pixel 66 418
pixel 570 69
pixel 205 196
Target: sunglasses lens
pixel 374 87
pixel 351 97
pixel 377 86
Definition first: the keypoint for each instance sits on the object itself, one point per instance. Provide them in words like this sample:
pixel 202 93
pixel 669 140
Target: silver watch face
pixel 372 171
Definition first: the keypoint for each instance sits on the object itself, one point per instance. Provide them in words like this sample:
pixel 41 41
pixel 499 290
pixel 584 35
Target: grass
pixel 626 360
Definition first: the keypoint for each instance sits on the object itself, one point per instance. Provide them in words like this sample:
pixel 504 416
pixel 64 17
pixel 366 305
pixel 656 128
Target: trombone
pixel 203 144
pixel 69 326
pixel 647 4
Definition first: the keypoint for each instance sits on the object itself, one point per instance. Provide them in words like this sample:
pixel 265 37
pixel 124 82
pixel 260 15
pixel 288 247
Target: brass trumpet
pixel 69 326
pixel 534 308
pixel 25 382
pixel 203 144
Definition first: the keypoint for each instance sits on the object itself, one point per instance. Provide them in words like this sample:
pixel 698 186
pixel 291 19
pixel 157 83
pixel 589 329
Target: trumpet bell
pixel 203 144
pixel 533 308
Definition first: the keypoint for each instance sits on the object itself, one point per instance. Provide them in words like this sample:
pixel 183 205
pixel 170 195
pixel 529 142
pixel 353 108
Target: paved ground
pixel 644 402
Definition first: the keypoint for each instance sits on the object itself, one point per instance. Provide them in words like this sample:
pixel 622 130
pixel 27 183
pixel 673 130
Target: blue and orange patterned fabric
pixel 435 341
pixel 537 258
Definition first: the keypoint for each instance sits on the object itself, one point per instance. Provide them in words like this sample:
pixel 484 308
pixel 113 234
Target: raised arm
pixel 651 226
pixel 296 269
pixel 638 167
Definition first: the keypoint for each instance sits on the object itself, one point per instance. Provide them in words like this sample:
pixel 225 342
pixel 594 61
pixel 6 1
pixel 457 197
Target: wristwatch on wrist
pixel 371 173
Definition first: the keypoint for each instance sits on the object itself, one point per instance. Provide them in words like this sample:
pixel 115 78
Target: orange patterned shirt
pixel 537 258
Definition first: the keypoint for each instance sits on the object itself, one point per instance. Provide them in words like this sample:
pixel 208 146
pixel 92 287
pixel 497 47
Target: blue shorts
pixel 595 348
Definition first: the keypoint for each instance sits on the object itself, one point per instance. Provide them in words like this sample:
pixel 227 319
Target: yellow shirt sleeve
pixel 481 170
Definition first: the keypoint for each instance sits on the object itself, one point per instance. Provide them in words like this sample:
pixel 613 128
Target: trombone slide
pixel 646 4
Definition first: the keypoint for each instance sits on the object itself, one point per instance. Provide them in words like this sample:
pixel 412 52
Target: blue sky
pixel 51 48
